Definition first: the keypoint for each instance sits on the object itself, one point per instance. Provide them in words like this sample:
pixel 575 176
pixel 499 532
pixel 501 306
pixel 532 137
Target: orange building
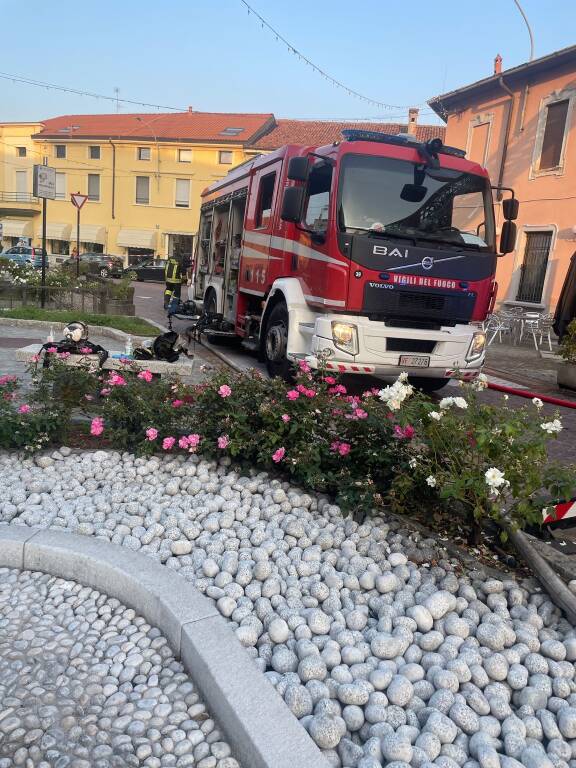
pixel 521 124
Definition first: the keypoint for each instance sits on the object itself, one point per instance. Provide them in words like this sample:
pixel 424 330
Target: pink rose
pixel 285 418
pixel 35 358
pixel 292 394
pixel 85 351
pixel 116 380
pixel 151 433
pixel 404 433
pixel 193 440
pixel 310 393
pixel 330 380
pixel 63 355
pixel 224 391
pixel 24 409
pixel 52 350
pixel 105 391
pixel 6 379
pixel 360 413
pixel 145 376
pixel 304 367
pixel 223 441
pixel 344 449
pixel 168 443
pixel 278 455
pixel 339 389
pixel 97 426
pixel 88 397
pixel 177 403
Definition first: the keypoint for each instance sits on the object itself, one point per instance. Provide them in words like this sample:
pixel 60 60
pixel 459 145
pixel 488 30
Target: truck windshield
pixel 397 198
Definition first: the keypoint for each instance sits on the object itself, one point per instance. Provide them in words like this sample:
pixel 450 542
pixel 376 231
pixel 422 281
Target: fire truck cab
pixel 376 253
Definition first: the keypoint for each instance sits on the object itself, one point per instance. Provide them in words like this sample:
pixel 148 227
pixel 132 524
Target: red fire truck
pixel 377 252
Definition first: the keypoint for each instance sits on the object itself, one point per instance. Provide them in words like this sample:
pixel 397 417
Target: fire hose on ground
pixel 557 590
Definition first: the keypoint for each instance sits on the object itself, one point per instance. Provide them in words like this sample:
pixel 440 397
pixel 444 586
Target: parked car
pixel 26 255
pixel 102 264
pixel 147 269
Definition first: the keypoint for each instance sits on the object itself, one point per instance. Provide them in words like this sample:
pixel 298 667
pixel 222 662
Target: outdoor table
pixel 182 367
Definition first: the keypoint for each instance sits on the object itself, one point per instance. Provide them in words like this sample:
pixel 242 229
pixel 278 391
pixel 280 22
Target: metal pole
pixel 528 27
pixel 78 242
pixel 43 291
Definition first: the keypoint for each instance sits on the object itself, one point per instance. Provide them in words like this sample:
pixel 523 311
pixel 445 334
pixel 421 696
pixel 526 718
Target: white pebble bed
pixel 86 683
pixel 383 660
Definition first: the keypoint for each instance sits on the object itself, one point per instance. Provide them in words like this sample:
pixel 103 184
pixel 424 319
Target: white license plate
pixel 414 361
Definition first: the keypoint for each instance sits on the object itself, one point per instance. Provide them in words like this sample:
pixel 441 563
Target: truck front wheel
pixel 276 343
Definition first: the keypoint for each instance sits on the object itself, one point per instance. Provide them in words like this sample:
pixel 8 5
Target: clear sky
pixel 214 56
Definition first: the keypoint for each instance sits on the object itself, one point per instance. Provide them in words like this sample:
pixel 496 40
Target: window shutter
pixel 182 193
pixel 142 190
pixel 553 135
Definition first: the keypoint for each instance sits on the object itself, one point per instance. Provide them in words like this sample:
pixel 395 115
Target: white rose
pixel 494 477
pixel 431 480
pixel 436 415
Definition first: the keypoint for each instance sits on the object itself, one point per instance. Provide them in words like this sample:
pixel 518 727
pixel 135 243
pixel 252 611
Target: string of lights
pixel 79 92
pixel 350 91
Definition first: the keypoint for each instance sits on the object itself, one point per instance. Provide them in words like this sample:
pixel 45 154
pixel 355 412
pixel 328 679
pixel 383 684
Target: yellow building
pixel 143 174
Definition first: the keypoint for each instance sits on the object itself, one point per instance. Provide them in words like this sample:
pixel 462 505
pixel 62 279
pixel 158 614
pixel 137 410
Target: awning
pixel 17 228
pixel 92 233
pixel 56 231
pixel 137 238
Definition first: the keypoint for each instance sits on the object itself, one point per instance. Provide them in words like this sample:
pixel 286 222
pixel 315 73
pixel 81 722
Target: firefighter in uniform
pixel 173 277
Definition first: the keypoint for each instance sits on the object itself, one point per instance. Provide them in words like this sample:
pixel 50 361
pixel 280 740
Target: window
pixel 21 185
pixel 60 151
pixel 94 153
pixel 479 143
pixel 182 193
pixel 59 247
pixel 225 157
pixel 142 190
pixel 143 153
pixel 265 200
pixel 184 155
pixel 21 151
pixel 60 186
pixel 534 266
pixel 94 187
pixel 553 139
pixel 318 197
pixel 231 131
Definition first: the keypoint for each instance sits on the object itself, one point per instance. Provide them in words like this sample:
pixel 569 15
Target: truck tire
pixel 276 342
pixel 427 384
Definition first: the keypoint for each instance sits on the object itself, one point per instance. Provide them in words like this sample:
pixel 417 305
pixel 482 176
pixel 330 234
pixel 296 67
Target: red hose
pixel 525 393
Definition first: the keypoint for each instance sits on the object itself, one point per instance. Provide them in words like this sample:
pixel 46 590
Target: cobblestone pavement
pixel 86 683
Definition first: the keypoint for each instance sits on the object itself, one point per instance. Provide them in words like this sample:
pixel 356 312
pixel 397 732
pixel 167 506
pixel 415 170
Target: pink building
pixel 521 124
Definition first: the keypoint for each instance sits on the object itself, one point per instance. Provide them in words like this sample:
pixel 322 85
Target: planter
pixel 119 307
pixel 566 376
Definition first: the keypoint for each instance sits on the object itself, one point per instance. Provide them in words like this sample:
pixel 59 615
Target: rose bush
pixel 25 426
pixel 391 446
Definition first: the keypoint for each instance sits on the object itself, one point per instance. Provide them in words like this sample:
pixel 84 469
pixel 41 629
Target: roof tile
pixel 186 126
pixel 319 132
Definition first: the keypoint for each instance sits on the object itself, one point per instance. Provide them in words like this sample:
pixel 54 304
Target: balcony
pixel 18 204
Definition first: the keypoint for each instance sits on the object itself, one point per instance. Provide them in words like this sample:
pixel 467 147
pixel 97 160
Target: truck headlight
pixel 345 337
pixel 477 346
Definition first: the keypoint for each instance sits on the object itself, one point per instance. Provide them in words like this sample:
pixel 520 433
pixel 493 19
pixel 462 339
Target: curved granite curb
pixel 261 729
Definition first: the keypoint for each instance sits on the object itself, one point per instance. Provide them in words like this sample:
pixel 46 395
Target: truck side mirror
pixel 510 208
pixel 298 169
pixel 292 204
pixel 507 237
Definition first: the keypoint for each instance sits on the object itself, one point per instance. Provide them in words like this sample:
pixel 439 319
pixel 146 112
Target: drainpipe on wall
pixel 113 176
pixel 504 87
